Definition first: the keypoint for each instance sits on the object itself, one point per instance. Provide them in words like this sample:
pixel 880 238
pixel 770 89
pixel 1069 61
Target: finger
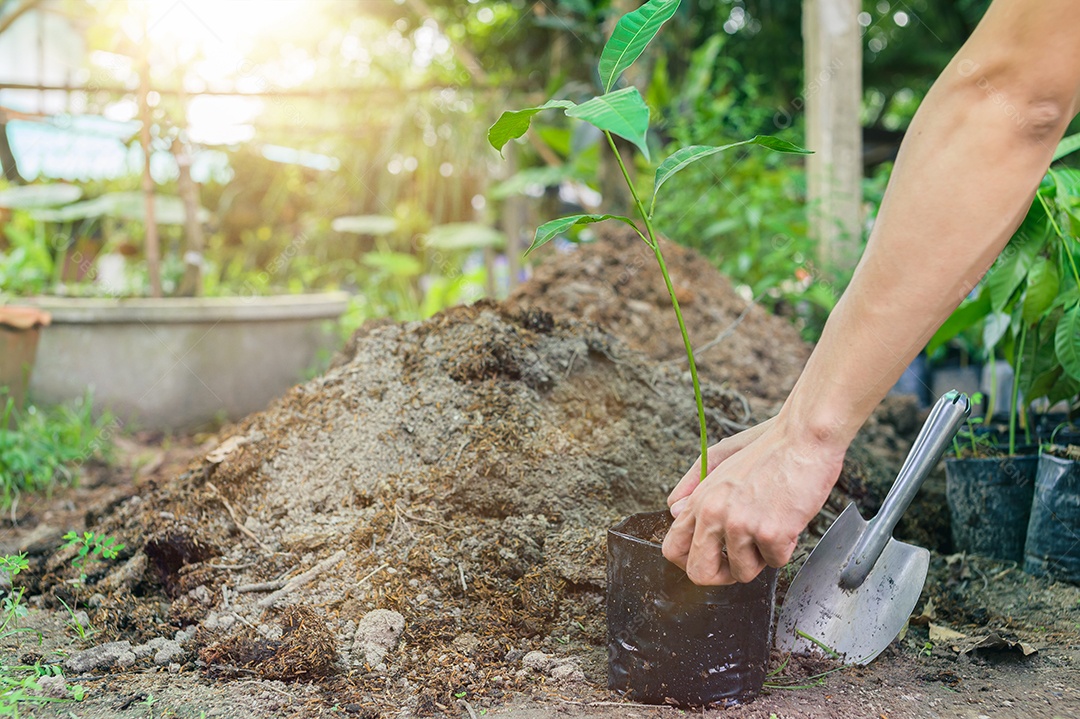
pixel 777 554
pixel 677 542
pixel 678 507
pixel 705 564
pixel 744 560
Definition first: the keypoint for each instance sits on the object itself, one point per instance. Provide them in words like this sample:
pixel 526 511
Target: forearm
pixel 964 178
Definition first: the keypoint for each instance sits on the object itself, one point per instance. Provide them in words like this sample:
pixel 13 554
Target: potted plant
pixel 1028 308
pixel 20 328
pixel 1054 524
pixel 668 639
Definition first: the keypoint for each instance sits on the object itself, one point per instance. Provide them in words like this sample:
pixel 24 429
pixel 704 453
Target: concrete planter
pixel 20 330
pixel 181 363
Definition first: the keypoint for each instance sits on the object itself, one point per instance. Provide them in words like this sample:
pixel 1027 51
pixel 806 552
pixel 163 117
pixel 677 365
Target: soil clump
pixel 616 283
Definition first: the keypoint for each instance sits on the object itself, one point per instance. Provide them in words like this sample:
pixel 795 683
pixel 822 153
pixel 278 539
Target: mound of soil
pixel 460 471
pixel 407 527
pixel 616 283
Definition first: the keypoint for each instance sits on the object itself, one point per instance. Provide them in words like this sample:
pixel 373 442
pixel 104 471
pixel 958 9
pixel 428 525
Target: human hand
pixel 764 486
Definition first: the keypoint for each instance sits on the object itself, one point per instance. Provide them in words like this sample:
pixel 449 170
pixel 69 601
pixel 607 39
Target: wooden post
pixel 833 97
pixel 153 250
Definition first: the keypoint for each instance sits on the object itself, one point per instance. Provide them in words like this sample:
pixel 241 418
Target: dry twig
pixel 232 514
pixel 301 579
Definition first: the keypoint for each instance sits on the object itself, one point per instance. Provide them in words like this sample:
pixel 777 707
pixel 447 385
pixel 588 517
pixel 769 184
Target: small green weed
pixel 91 546
pixel 19 686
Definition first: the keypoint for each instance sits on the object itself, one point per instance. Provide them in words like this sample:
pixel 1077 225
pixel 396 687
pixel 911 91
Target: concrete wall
pixel 180 364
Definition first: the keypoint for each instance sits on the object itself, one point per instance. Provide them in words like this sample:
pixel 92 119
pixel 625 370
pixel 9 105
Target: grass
pixel 46 447
pixel 20 684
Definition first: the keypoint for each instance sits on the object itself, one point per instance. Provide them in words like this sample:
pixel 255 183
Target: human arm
pixel 964 178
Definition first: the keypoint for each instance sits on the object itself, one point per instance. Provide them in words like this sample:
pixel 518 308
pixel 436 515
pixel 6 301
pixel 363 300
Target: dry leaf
pixel 996 642
pixel 223 450
pixel 929 613
pixel 943 635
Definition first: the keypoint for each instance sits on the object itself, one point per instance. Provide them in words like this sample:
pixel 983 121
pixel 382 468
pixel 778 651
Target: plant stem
pixel 655 245
pixel 1061 236
pixel 1016 391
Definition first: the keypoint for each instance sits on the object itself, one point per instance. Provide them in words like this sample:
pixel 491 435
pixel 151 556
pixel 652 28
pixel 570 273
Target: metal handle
pixel 945 419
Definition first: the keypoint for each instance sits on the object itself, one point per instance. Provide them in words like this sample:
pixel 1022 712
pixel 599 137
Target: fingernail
pixel 678 507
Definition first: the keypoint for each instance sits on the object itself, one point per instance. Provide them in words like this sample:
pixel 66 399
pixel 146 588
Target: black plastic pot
pixel 673 642
pixel 1053 533
pixel 989 504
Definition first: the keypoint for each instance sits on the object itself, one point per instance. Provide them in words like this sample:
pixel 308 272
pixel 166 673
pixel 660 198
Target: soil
pixel 458 476
pixel 615 283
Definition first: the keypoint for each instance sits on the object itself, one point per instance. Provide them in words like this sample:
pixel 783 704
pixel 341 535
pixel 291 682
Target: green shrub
pixel 46 447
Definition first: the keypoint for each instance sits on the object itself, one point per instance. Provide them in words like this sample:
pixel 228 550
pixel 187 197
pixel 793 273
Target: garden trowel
pixel 859 585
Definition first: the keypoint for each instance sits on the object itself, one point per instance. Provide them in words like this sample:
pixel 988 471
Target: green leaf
pixel 689 155
pixel 997 324
pixel 1067 342
pixel 1012 267
pixel 1067 146
pixel 550 230
pixel 1042 288
pixel 634 31
pixel 623 113
pixel 512 124
pixel 967 314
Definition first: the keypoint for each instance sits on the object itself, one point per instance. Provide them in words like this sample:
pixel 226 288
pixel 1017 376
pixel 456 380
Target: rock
pixel 538 661
pixel 102 656
pixel 165 651
pixel 144 650
pixel 466 643
pixel 96 600
pixel 271 632
pixel 169 653
pixel 215 621
pixel 54 687
pixel 81 618
pixel 567 672
pixel 184 637
pixel 376 634
pixel 174 668
pixel 562 669
pixel 201 595
pixel 125 660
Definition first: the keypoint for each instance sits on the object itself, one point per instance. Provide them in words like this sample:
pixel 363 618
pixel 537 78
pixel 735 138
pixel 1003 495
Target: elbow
pixel 1043 120
pixel 1038 109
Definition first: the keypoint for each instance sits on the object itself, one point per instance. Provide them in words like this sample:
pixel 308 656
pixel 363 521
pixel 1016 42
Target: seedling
pixel 91 546
pixel 623 112
pixel 980 444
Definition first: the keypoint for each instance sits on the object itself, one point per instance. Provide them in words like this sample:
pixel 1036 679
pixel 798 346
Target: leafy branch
pixel 624 113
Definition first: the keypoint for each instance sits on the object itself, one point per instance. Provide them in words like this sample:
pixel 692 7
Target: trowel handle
pixel 945 419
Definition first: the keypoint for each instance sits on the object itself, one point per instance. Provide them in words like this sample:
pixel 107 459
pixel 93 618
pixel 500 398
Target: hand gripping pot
pixel 673 642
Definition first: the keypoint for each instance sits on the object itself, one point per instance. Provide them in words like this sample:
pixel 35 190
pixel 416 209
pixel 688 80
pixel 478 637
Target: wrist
pixel 818 428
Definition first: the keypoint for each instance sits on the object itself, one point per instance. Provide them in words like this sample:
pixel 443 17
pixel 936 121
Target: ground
pixel 395 537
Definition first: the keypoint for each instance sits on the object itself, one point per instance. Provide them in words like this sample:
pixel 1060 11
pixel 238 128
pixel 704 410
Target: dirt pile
pixel 616 283
pixel 460 471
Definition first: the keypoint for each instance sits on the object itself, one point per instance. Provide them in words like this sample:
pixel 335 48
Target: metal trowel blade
pixel 857 623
